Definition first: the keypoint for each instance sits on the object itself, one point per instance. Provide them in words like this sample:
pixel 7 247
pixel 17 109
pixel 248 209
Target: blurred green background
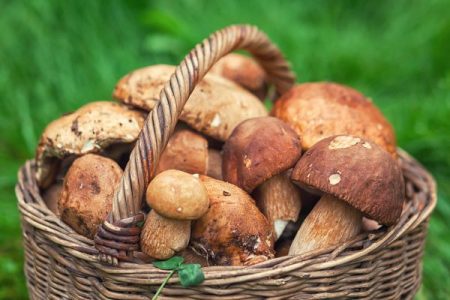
pixel 57 55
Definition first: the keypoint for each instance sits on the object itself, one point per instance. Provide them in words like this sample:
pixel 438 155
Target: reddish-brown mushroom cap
pixel 320 110
pixel 257 150
pixel 356 171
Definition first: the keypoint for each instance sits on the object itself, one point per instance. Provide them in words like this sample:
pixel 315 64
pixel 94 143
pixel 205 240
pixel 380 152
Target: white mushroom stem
pixel 331 222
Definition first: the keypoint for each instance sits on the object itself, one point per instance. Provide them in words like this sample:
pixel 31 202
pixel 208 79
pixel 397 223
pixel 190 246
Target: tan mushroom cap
pixel 177 195
pixel 319 110
pixel 215 108
pixel 244 71
pixel 162 237
pixel 233 231
pixel 186 151
pixel 357 171
pixel 257 150
pixel 88 190
pixel 90 129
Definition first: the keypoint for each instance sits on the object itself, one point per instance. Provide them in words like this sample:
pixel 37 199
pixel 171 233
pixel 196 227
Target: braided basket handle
pixel 119 234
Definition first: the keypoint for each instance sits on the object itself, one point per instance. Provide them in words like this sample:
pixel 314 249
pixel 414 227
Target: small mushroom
pixel 162 237
pixel 244 71
pixel 176 198
pixel 255 156
pixel 320 110
pixel 90 129
pixel 186 151
pixel 215 107
pixel 233 231
pixel 51 197
pixel 356 178
pixel 88 189
pixel 177 195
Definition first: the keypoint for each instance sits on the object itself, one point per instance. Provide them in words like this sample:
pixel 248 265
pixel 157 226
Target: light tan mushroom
pixel 90 129
pixel 233 231
pixel 162 237
pixel 256 155
pixel 245 71
pixel 88 189
pixel 356 178
pixel 215 108
pixel 177 195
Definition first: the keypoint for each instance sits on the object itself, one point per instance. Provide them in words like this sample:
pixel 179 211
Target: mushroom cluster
pixel 236 184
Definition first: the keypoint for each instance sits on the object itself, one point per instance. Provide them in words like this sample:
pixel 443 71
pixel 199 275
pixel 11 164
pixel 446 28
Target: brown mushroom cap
pixel 233 231
pixel 243 70
pixel 90 129
pixel 88 190
pixel 319 110
pixel 186 151
pixel 215 108
pixel 257 150
pixel 357 171
pixel 161 237
pixel 177 195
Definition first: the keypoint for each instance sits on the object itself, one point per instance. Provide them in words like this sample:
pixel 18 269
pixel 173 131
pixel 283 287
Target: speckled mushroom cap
pixel 356 171
pixel 243 70
pixel 90 129
pixel 215 107
pixel 257 150
pixel 321 109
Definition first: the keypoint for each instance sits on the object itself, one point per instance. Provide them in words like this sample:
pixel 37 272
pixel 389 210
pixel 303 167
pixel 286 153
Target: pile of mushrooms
pixel 234 186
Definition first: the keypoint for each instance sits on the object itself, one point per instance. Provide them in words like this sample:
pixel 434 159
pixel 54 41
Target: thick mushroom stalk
pixel 331 222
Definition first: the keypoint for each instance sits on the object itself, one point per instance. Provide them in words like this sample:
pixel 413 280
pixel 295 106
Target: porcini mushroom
pixel 51 197
pixel 215 107
pixel 244 71
pixel 233 231
pixel 356 178
pixel 176 198
pixel 90 129
pixel 88 189
pixel 319 110
pixel 186 151
pixel 214 169
pixel 257 153
pixel 162 237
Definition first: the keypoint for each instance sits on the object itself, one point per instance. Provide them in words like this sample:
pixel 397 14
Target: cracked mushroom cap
pixel 244 71
pixel 215 108
pixel 90 129
pixel 88 190
pixel 177 195
pixel 321 109
pixel 233 231
pixel 257 150
pixel 356 171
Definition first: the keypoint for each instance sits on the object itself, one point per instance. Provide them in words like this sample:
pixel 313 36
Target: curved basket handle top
pixel 161 121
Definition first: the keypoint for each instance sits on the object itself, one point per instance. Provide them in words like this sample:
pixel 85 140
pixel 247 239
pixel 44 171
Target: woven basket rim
pixel 83 248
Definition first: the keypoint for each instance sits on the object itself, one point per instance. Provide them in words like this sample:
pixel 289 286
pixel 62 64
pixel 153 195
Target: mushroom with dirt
pixel 91 129
pixel 233 231
pixel 356 178
pixel 88 190
pixel 257 156
pixel 243 70
pixel 176 198
pixel 216 106
pixel 321 109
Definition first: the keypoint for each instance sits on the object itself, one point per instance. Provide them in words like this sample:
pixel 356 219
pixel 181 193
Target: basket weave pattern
pixel 61 264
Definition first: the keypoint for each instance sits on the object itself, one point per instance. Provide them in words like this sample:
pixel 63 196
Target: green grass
pixel 57 55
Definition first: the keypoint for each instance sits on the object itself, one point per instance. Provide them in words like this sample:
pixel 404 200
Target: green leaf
pixel 170 264
pixel 190 274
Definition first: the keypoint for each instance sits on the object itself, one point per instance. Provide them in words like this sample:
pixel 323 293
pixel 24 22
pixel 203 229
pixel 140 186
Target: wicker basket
pixel 61 264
